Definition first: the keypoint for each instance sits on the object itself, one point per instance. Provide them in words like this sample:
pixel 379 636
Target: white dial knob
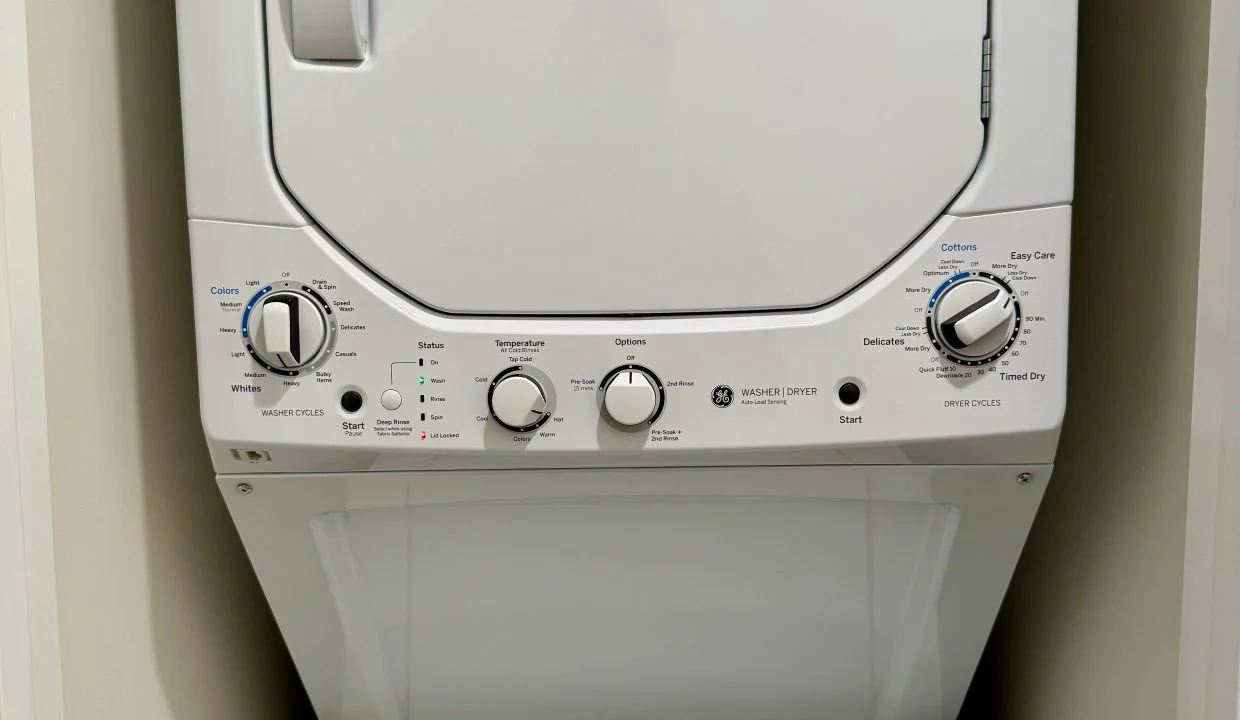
pixel 287 331
pixel 518 402
pixel 632 397
pixel 975 320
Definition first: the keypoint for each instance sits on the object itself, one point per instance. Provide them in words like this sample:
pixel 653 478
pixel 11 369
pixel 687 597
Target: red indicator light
pixel 423 434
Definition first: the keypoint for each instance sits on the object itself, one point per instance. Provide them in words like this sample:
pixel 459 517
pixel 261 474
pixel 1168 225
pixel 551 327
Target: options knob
pixel 518 400
pixel 974 318
pixel 288 331
pixel 632 397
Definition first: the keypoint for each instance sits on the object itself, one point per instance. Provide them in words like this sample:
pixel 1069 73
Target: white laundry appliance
pixel 631 359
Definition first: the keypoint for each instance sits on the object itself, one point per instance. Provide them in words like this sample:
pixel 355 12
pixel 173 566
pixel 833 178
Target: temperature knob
pixel 288 330
pixel 632 397
pixel 974 318
pixel 518 400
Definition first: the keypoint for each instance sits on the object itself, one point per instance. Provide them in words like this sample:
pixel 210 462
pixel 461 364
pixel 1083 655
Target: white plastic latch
pixel 330 29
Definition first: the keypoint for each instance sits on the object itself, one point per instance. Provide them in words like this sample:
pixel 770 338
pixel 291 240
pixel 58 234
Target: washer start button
pixel 351 401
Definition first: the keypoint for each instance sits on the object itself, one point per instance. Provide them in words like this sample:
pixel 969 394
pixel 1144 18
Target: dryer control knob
pixel 287 331
pixel 973 321
pixel 632 397
pixel 518 402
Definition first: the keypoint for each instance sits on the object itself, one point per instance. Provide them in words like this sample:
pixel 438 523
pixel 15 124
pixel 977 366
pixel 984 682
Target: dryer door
pixel 632 156
pixel 729 594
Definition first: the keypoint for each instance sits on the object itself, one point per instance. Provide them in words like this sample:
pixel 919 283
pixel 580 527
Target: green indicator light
pixel 421 379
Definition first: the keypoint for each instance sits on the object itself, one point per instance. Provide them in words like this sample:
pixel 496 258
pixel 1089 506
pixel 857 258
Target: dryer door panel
pixel 637 595
pixel 632 156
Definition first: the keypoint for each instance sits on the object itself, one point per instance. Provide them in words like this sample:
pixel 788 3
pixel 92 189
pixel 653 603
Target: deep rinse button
pixel 391 399
pixel 975 319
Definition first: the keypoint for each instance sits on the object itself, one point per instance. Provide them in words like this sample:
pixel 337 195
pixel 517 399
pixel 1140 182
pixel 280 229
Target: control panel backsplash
pixel 963 336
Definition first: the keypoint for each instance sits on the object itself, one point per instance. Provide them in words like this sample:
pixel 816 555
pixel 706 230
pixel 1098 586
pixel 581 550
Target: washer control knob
pixel 518 401
pixel 975 320
pixel 287 330
pixel 632 397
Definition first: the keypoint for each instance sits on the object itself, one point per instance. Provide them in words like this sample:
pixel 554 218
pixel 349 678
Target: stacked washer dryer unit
pixel 608 359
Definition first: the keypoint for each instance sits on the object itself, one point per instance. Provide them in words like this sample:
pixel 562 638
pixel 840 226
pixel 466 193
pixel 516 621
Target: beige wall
pixel 1091 626
pixel 160 614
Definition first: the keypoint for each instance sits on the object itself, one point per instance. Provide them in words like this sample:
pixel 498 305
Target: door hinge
pixel 986 79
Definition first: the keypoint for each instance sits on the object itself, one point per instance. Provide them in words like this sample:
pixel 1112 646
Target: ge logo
pixel 721 396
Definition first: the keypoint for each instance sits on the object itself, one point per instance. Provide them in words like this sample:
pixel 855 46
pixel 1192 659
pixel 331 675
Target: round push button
pixel 351 401
pixel 850 393
pixel 390 399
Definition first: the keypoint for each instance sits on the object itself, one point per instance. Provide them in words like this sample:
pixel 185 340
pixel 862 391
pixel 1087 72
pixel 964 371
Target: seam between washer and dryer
pixel 623 468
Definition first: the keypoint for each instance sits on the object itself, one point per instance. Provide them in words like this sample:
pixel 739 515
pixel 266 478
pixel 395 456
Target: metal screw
pixel 1024 478
pixel 245 488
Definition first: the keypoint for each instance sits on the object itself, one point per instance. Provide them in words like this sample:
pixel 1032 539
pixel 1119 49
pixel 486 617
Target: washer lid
pixel 633 156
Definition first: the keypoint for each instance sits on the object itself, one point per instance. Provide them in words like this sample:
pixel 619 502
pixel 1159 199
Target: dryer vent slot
pixel 985 79
pixel 251 456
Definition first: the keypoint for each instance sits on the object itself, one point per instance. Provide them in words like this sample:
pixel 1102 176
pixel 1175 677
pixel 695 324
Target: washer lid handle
pixel 334 30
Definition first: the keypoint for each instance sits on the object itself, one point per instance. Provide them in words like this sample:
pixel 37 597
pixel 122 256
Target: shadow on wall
pixel 202 586
pixel 1090 626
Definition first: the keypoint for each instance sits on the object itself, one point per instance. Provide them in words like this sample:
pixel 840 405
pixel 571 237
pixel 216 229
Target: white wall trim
pixel 30 671
pixel 1210 627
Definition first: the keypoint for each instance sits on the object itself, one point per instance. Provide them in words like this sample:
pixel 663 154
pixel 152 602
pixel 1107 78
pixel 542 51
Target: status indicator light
pixel 421 379
pixel 423 434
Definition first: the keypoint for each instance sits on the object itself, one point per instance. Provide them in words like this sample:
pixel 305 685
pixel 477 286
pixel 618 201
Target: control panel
pixel 963 335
